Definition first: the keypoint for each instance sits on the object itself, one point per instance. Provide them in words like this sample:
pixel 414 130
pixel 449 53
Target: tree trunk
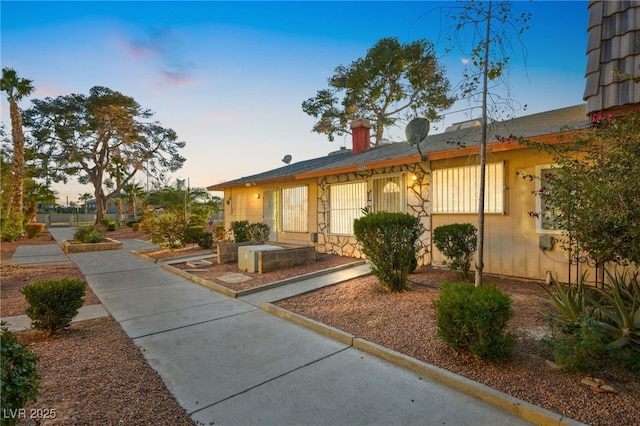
pixel 101 207
pixel 483 155
pixel 18 158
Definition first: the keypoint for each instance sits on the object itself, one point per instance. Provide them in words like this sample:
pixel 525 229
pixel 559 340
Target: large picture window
pixel 455 190
pixel 345 205
pixel 389 194
pixel 294 208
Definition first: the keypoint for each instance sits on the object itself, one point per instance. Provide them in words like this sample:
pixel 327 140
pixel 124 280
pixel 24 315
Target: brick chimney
pixel 360 133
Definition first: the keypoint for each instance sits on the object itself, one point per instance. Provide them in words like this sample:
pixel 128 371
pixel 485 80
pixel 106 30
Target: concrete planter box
pixel 73 246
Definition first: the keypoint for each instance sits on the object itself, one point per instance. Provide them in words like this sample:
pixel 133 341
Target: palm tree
pixel 16 89
pixel 85 197
pixel 132 192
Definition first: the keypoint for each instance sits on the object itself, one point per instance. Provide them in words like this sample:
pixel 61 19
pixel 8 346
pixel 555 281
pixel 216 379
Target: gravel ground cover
pixel 405 322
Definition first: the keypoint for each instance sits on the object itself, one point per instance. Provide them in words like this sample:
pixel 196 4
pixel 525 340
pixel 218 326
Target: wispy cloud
pixel 162 50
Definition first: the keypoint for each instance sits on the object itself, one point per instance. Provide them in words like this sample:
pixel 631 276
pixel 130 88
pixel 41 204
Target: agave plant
pixel 569 300
pixel 619 309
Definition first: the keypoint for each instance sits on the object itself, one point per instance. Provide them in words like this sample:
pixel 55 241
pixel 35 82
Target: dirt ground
pixel 87 385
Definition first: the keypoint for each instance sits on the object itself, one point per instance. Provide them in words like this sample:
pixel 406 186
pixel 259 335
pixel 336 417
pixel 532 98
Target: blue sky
pixel 230 77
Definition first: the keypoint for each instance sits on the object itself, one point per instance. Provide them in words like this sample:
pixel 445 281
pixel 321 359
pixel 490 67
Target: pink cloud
pixel 176 78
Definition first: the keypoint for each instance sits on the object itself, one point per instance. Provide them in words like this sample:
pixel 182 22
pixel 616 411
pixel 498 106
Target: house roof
pixel 280 174
pixel 459 142
pixel 613 44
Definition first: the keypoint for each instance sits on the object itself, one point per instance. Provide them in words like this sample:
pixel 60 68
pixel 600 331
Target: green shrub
pixel 475 319
pixel 89 234
pixel 53 304
pixel 258 231
pixel 20 381
pixel 11 228
pixel 110 224
pixel 166 230
pixel 457 242
pixel 34 229
pixel 240 230
pixel 192 233
pixel 205 241
pixel 581 349
pixel 389 240
pixel 136 226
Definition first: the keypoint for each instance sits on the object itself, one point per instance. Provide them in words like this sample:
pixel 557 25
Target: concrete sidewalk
pixel 229 362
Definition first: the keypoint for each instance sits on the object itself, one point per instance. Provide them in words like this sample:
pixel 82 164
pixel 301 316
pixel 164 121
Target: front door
pixel 269 212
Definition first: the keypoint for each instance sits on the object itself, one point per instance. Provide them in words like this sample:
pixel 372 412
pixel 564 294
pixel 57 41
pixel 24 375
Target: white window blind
pixel 456 190
pixel 345 205
pixel 389 194
pixel 294 209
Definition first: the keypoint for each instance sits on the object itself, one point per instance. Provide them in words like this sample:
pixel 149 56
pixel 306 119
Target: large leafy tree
pixel 392 82
pixel 104 139
pixel 16 89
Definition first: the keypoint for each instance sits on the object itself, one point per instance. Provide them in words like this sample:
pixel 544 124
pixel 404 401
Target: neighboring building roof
pixel 447 143
pixel 613 44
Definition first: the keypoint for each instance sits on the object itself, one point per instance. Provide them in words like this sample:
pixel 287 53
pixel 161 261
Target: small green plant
pixel 390 242
pixel 110 224
pixel 20 381
pixel 53 304
pixel 475 319
pixel 258 231
pixel 581 349
pixel 205 241
pixel 240 230
pixel 89 234
pixel 34 229
pixel 457 242
pixel 220 231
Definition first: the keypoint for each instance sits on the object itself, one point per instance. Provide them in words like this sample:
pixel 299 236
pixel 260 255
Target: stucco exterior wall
pixel 242 203
pixel 511 239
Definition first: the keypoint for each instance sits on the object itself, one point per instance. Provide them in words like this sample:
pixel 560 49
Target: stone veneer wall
pixel 417 205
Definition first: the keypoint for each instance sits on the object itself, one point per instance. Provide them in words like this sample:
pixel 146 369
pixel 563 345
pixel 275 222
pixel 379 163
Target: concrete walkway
pixel 228 362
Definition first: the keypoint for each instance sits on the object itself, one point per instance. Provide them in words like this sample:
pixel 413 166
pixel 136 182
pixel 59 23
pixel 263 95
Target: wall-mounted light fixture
pixel 258 196
pixel 414 177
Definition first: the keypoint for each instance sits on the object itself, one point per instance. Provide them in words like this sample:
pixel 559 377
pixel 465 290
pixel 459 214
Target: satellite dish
pixel 286 159
pixel 417 131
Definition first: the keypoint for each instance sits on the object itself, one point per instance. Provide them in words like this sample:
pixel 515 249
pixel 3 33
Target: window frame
pixel 355 210
pixel 402 185
pixel 286 213
pixel 539 202
pixel 467 195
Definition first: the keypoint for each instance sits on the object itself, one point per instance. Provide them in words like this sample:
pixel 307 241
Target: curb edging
pixel 507 403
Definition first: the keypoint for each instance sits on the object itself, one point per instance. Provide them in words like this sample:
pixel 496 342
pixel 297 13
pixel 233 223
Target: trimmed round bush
pixel 20 381
pixel 34 229
pixel 389 240
pixel 475 319
pixel 53 304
